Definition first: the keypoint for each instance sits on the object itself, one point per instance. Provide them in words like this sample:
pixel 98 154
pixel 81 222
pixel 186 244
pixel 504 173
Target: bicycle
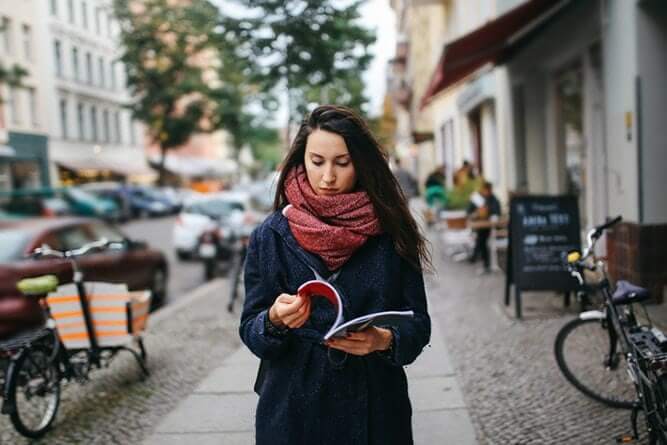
pixel 34 363
pixel 238 263
pixel 619 361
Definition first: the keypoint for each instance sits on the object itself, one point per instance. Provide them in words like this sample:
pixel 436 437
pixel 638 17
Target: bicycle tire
pixel 585 374
pixel 31 378
pixel 237 278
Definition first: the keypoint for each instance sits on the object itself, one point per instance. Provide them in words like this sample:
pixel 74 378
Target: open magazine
pixel 319 288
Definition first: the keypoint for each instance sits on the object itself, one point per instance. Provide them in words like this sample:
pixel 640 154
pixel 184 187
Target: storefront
pixel 23 162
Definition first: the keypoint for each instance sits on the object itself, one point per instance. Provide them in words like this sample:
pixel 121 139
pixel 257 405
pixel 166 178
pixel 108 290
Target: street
pixel 183 275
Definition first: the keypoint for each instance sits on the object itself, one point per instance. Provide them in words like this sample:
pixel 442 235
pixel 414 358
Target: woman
pixel 340 216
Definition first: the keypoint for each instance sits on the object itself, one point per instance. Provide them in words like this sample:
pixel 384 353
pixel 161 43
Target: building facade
pixel 563 97
pixel 23 120
pixel 91 135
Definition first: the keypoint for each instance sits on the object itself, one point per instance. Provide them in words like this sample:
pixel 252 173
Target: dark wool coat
pixel 305 396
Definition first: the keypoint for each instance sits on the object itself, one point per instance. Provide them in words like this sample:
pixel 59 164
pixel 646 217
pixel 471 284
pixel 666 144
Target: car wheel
pixel 159 287
pixel 182 255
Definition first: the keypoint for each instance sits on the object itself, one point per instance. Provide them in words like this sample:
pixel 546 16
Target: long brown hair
pixel 373 176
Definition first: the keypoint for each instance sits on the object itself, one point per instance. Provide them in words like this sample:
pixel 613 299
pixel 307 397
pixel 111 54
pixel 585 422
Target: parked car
pixel 113 191
pixel 45 202
pixel 137 265
pixel 222 212
pixel 84 203
pixel 145 202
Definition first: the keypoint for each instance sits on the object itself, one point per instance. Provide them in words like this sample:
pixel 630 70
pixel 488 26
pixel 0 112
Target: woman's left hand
pixel 363 342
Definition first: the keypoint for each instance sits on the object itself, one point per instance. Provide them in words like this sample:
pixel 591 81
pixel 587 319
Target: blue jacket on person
pixel 306 396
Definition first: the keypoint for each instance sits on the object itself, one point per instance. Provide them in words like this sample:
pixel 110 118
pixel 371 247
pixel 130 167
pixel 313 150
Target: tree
pixel 169 58
pixel 314 49
pixel 11 76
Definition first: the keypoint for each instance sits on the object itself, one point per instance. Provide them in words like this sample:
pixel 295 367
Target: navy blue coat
pixel 305 398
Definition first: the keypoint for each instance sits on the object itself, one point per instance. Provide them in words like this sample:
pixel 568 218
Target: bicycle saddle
pixel 627 293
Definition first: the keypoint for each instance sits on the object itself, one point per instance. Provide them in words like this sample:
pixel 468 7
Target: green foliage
pixel 163 55
pixel 11 76
pixel 313 48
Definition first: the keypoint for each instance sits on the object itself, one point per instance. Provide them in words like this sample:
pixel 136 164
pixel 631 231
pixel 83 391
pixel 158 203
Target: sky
pixel 378 15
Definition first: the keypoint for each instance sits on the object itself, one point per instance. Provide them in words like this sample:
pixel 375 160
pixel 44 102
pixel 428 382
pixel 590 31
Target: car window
pixel 13 243
pixel 73 237
pixel 215 208
pixel 99 230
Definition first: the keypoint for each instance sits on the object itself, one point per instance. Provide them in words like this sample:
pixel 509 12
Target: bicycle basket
pixel 118 315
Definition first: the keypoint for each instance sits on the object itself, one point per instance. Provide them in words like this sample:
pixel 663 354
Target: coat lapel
pixel 281 226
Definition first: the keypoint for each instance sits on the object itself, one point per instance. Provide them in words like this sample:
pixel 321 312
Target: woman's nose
pixel 329 177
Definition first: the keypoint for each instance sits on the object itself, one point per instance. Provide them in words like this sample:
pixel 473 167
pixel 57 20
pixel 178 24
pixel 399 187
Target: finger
pixel 286 298
pixel 298 320
pixel 349 350
pixel 296 317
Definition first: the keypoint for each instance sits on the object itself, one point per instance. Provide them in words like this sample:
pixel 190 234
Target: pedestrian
pixel 483 207
pixel 406 181
pixel 339 215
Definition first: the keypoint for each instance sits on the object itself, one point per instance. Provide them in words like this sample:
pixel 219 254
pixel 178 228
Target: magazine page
pixel 319 288
pixel 386 318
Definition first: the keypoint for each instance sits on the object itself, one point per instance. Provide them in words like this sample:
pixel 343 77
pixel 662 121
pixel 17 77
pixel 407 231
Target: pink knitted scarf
pixel 333 227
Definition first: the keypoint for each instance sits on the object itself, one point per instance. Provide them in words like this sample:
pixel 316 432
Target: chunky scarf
pixel 333 227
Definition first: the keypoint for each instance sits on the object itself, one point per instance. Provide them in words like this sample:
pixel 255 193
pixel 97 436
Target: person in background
pixel 482 207
pixel 435 193
pixel 406 181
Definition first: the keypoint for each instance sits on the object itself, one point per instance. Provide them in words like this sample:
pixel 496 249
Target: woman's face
pixel 328 164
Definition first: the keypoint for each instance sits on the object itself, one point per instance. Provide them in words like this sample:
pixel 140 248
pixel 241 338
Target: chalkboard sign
pixel 541 229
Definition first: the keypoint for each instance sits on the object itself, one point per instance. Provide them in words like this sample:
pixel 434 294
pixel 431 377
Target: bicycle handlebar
pixel 45 250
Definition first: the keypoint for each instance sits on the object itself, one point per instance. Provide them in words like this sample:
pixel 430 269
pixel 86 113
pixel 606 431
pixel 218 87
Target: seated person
pixel 481 208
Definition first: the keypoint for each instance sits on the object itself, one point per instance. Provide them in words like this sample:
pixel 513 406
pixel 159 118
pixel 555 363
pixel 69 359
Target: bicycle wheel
pixel 582 353
pixel 33 392
pixel 237 281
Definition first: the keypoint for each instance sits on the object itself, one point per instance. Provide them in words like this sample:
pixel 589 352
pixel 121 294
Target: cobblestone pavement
pixel 512 385
pixel 116 406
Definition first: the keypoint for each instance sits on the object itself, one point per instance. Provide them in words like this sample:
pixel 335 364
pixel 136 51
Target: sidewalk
pixel 221 410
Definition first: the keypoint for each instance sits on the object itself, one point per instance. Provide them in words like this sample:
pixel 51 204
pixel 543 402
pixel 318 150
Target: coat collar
pixel 279 224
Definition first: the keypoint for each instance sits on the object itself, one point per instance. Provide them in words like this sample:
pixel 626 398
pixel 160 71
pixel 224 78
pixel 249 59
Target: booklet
pixel 319 288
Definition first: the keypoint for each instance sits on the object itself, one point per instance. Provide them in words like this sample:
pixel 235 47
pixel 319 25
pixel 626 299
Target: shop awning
pixel 128 164
pixel 492 43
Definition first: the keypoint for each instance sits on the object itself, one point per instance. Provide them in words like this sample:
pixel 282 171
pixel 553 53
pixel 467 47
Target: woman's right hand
pixel 289 310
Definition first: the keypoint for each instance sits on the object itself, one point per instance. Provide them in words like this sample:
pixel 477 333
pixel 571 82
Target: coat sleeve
pixel 260 295
pixel 411 336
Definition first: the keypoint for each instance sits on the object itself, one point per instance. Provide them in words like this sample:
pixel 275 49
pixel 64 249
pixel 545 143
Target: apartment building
pixel 562 97
pixel 23 120
pixel 92 136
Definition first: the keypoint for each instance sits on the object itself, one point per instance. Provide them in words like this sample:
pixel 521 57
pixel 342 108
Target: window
pixel 112 75
pixel 105 126
pixel 32 107
pixel 63 117
pixel 27 42
pixel 54 7
pixel 97 21
pixel 81 121
pixel 93 123
pixel 70 10
pixel 75 63
pixel 6 31
pixel 89 68
pixel 74 237
pixel 116 119
pixel 100 63
pixel 133 138
pixel 84 14
pixel 13 105
pixel 58 57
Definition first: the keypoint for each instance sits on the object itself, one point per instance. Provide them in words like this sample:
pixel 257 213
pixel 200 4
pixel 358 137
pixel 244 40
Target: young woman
pixel 339 216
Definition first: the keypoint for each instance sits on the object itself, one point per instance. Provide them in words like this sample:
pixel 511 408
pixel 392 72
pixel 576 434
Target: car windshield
pixel 13 243
pixel 215 208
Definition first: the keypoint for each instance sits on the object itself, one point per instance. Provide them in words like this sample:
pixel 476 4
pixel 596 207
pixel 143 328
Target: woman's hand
pixel 364 342
pixel 289 310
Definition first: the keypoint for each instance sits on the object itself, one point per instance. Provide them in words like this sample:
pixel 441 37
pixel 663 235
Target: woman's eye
pixel 343 164
pixel 318 163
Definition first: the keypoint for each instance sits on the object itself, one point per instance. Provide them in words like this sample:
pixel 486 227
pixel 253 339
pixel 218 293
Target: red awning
pixel 491 43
